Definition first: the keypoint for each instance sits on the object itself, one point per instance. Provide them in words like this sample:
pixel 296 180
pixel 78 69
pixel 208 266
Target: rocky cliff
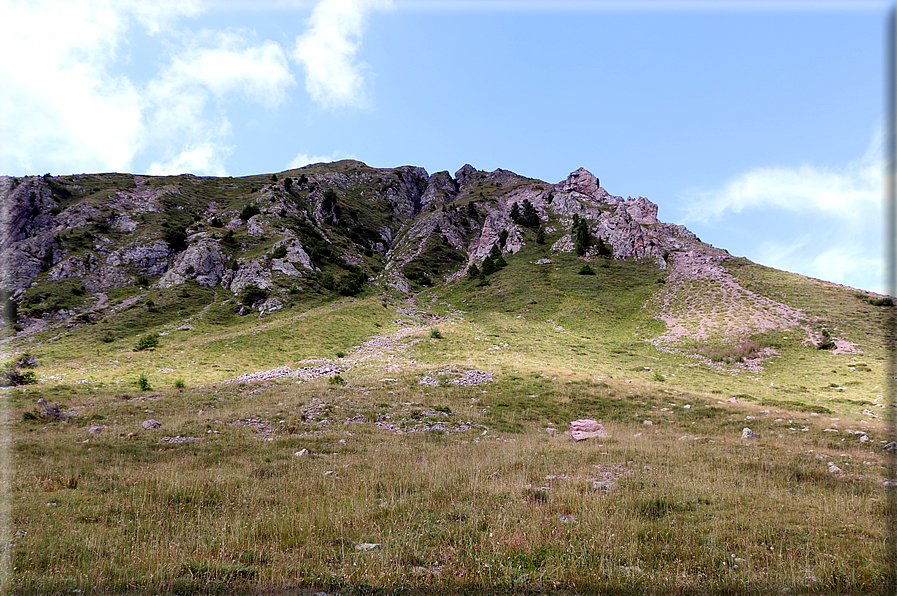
pixel 338 227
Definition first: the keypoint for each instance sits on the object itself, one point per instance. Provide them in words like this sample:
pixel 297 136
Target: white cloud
pixel 303 159
pixel 65 107
pixel 327 51
pixel 207 158
pixel 834 214
pixel 58 100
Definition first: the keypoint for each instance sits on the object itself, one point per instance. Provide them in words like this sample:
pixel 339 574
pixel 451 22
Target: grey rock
pixel 587 428
pixel 95 430
pixel 270 305
pixel 203 262
pixel 747 433
pixel 603 485
pixel 543 262
pixel 892 446
pixel 302 452
pixel 368 546
pixel 149 258
pixel 151 424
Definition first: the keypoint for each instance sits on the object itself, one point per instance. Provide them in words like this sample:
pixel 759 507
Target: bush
pixel 252 294
pixel 107 339
pixel 143 383
pixel 540 235
pixel 586 270
pixel 488 267
pixel 248 211
pixel 435 333
pixel 179 384
pixel 143 281
pixel 279 252
pixel 886 301
pixel 147 342
pixel 176 238
pixel 351 284
pixel 337 380
pixel 216 223
pixel 473 271
pixel 340 354
pixel 582 237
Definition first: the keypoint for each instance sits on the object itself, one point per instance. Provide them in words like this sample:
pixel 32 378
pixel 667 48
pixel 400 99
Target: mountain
pixel 82 252
pixel 357 380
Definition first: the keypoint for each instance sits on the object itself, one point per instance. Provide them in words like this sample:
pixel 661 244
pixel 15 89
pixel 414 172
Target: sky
pixel 756 124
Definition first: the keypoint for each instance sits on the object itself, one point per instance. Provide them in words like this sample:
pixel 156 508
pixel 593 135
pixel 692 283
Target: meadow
pixel 390 478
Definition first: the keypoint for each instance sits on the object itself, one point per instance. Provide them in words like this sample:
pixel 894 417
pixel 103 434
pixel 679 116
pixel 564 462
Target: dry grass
pixel 690 506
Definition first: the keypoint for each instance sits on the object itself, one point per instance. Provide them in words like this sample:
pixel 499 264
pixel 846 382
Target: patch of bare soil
pixel 701 301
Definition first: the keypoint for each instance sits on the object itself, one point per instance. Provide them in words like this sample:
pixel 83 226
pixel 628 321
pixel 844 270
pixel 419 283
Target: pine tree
pixel 540 235
pixel 530 217
pixel 515 212
pixel 502 238
pixel 582 237
pixel 495 252
pixel 488 267
pixel 473 271
pixel 500 262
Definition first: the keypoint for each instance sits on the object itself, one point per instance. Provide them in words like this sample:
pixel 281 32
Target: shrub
pixel 107 339
pixel 659 377
pixel 435 333
pixel 351 284
pixel 586 270
pixel 143 281
pixel 540 235
pixel 503 237
pixel 826 344
pixel 251 294
pixel 337 380
pixel 287 184
pixel 179 384
pixel 249 211
pixel 143 383
pixel 176 238
pixel 886 301
pixel 603 249
pixel 488 267
pixel 500 262
pixel 303 180
pixel 473 271
pixel 147 342
pixel 340 354
pixel 279 252
pixel 216 223
pixel 229 237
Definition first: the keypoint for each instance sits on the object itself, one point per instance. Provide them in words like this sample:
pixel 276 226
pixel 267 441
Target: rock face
pixel 587 428
pixel 203 262
pixel 109 230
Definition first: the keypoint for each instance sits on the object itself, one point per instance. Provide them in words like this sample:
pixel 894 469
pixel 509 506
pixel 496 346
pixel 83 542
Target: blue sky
pixel 754 123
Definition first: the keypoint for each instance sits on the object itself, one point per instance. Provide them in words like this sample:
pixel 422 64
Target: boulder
pixel 587 428
pixel 202 261
pixel 151 424
pixel 747 433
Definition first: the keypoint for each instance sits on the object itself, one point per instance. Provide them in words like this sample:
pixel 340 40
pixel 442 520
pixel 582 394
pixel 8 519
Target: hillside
pixel 333 310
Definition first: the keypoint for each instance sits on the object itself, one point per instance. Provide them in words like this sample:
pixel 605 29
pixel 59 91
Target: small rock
pixel 95 430
pixel 301 452
pixel 567 519
pixel 830 430
pixel 892 446
pixel 833 469
pixel 543 262
pixel 368 546
pixel 647 423
pixel 330 473
pixel 732 400
pixel 586 428
pixel 151 424
pixel 603 485
pixel 865 439
pixel 747 433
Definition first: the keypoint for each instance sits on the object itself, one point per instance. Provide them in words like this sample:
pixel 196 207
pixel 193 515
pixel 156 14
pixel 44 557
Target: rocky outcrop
pixel 148 257
pixel 203 262
pixel 440 190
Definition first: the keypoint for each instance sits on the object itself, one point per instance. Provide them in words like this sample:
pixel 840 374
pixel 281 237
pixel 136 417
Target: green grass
pixel 467 489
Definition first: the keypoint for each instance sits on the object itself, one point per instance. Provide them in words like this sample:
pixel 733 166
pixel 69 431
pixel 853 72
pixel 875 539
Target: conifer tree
pixel 488 267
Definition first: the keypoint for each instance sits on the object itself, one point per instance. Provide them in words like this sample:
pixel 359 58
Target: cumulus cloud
pixel 59 100
pixel 65 105
pixel 833 216
pixel 328 51
pixel 303 159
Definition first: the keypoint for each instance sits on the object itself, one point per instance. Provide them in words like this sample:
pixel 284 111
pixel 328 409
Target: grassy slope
pixel 453 510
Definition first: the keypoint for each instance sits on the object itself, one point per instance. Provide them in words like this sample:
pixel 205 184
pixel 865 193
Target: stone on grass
pixel 747 433
pixel 151 424
pixel 95 430
pixel 892 446
pixel 587 428
pixel 368 546
pixel 301 452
